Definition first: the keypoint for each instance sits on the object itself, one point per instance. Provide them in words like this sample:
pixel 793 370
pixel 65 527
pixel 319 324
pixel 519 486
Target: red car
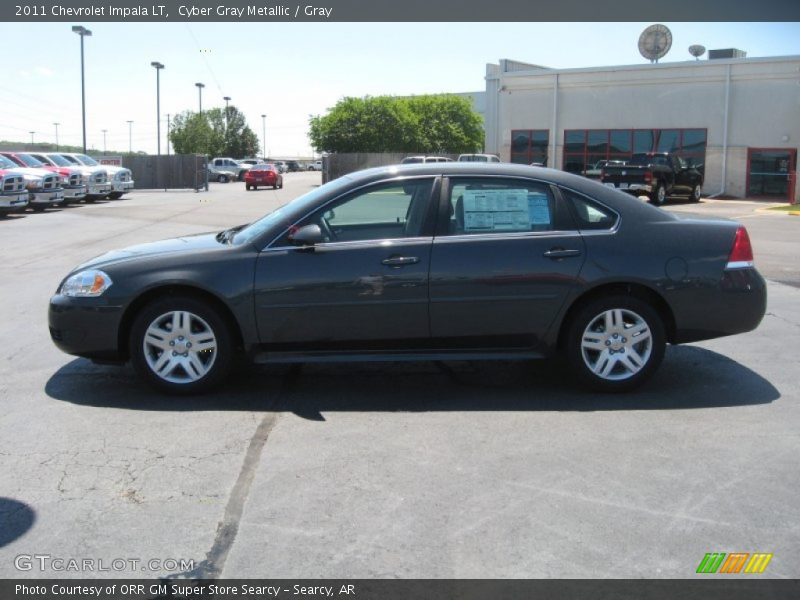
pixel 263 174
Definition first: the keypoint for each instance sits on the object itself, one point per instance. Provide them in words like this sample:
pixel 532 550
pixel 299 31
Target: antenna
pixel 655 42
pixel 697 51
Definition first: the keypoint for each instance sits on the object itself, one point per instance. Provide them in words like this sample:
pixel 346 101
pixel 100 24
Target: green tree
pixel 212 134
pixel 435 123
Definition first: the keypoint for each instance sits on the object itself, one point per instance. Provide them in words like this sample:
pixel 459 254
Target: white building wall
pixel 763 108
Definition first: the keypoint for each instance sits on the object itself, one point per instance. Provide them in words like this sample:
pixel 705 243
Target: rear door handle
pixel 561 252
pixel 400 261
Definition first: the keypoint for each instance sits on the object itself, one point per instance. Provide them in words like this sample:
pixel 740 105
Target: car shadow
pixel 690 377
pixel 12 217
pixel 16 518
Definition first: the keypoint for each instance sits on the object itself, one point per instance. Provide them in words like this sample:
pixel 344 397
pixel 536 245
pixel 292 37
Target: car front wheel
pixel 180 345
pixel 696 193
pixel 615 343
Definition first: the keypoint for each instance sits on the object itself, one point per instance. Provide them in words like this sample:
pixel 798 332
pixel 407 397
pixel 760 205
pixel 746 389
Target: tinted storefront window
pixel 583 148
pixel 529 146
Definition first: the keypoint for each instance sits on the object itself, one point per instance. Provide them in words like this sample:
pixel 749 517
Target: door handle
pixel 561 252
pixel 400 261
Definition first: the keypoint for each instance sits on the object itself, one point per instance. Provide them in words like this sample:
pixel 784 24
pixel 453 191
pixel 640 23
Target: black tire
pixel 610 366
pixel 90 200
pixel 247 187
pixel 658 195
pixel 696 193
pixel 115 195
pixel 222 178
pixel 200 324
pixel 275 185
pixel 37 208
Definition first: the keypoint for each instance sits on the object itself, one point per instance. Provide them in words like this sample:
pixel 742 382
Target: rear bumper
pixel 631 187
pixel 736 305
pixel 85 327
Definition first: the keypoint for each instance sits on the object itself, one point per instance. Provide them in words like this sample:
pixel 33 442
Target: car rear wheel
pixel 615 343
pixel 696 193
pixel 222 178
pixel 659 194
pixel 180 345
pixel 115 195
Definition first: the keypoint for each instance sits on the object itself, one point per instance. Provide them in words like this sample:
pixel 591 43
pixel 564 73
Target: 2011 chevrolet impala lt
pixel 434 261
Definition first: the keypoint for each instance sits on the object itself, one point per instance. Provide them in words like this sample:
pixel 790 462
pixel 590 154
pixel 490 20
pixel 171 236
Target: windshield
pixel 30 161
pixel 288 213
pixel 72 160
pixel 88 160
pixel 59 160
pixel 7 164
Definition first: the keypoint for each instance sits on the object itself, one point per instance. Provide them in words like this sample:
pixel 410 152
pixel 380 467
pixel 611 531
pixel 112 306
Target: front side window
pixel 393 210
pixel 484 205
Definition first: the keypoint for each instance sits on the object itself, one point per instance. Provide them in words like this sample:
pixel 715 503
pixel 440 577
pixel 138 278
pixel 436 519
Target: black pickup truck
pixel 657 175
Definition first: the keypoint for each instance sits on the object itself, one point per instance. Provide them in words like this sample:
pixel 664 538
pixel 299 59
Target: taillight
pixel 648 177
pixel 742 253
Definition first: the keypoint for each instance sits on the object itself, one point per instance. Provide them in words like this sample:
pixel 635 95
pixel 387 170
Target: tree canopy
pixel 209 133
pixel 426 124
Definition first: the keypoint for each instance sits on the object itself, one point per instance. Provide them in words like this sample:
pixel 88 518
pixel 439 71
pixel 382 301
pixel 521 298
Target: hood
pixel 112 170
pixel 189 244
pixel 33 172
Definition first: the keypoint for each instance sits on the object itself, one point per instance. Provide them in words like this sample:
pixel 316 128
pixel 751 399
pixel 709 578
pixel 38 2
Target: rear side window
pixel 590 215
pixel 485 205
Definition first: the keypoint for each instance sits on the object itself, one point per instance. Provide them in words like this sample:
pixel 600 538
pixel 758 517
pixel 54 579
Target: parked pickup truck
pixel 657 175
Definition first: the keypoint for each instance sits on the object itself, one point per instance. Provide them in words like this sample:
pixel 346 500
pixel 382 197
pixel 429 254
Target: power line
pixel 202 55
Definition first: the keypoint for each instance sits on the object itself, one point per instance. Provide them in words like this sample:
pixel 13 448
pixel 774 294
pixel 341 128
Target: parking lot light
pixel 158 66
pixel 83 32
pixel 200 87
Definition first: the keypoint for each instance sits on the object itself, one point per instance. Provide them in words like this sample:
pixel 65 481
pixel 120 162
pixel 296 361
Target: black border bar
pixel 87 11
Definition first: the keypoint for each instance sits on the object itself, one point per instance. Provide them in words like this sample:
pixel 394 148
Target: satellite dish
pixel 697 51
pixel 655 42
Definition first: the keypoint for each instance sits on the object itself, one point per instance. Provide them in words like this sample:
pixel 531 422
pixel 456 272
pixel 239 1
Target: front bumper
pixel 14 201
pixel 86 327
pixel 46 197
pixel 76 192
pixel 121 186
pixel 98 189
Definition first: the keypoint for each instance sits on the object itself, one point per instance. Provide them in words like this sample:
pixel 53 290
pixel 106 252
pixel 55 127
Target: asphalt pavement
pixel 423 470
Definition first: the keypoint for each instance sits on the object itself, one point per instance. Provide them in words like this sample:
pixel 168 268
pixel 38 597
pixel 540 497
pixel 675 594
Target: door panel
pixel 504 264
pixel 342 292
pixel 366 285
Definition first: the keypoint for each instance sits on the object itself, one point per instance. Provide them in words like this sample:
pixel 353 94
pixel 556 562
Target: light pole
pixel 200 87
pixel 31 132
pixel 158 66
pixel 167 134
pixel 83 32
pixel 130 137
pixel 264 136
pixel 227 99
pixel 104 140
pixel 56 124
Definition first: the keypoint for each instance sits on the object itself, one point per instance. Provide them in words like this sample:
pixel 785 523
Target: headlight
pixel 86 283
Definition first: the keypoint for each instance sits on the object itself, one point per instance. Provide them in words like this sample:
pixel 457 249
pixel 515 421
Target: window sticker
pixel 505 210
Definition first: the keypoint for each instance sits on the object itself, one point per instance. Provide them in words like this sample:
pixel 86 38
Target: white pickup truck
pixel 44 188
pixel 120 178
pixel 13 195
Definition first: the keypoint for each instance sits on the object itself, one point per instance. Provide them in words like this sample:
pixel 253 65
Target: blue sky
pixel 292 70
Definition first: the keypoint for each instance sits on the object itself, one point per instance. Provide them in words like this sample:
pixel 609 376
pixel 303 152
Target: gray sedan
pixel 462 261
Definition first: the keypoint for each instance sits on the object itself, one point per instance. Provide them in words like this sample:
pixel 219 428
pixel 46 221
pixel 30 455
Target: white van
pixel 487 158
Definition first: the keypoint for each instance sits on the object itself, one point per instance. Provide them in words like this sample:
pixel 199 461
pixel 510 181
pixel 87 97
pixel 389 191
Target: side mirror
pixel 310 235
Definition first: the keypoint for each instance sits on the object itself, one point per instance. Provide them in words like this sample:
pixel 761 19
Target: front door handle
pixel 561 252
pixel 400 261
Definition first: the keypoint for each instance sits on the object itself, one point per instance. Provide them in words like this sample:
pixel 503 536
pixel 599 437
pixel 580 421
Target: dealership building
pixel 735 119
